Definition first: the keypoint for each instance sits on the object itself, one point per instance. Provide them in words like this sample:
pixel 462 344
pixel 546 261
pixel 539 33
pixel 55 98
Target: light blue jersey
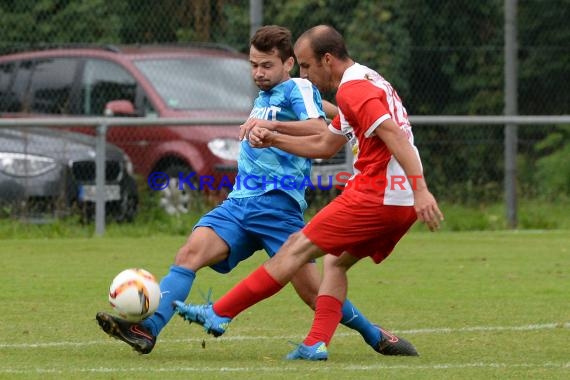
pixel 267 169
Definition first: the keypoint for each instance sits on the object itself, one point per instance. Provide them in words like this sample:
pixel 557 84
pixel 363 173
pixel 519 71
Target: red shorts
pixel 359 224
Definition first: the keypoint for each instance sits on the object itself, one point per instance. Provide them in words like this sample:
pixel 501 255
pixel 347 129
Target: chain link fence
pixel 187 59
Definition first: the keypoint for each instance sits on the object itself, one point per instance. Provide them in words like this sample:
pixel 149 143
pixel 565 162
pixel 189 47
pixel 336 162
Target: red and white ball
pixel 134 294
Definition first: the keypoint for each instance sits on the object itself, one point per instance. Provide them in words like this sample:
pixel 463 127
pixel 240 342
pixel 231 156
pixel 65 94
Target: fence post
pixel 511 108
pixel 100 161
pixel 255 15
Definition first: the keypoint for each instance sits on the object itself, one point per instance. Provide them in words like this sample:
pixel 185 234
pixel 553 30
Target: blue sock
pixel 354 319
pixel 175 286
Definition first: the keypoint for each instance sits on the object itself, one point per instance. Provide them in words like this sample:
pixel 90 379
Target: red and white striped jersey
pixel 365 99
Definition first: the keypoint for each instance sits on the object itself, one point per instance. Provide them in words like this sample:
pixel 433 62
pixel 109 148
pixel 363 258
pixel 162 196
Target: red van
pixel 194 81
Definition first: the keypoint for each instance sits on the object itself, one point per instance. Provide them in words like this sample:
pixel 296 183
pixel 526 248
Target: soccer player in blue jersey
pixel 261 211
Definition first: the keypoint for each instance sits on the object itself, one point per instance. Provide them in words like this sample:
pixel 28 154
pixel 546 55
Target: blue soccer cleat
pixel 317 351
pixel 204 315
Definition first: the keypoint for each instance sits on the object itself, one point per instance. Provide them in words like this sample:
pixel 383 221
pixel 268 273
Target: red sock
pixel 328 314
pixel 258 286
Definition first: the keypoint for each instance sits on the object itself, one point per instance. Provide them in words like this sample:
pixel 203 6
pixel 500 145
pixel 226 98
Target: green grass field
pixel 477 305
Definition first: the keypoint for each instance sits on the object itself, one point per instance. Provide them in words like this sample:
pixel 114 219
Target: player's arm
pixel 330 109
pixel 295 128
pixel 397 142
pixel 301 128
pixel 323 145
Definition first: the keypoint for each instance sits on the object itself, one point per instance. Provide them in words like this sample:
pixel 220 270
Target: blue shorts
pixel 250 224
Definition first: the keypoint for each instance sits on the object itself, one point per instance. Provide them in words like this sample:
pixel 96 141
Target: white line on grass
pixel 350 368
pixel 443 330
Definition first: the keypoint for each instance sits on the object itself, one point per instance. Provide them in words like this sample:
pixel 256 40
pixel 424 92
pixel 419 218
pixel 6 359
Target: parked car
pixel 52 172
pixel 194 81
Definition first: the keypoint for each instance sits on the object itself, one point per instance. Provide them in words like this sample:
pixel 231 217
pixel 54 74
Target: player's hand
pixel 427 209
pixel 260 137
pixel 245 128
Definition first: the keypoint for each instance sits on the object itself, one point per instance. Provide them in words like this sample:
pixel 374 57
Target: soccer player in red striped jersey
pixel 381 201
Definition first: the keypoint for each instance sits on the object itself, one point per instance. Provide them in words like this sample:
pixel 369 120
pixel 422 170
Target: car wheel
pixel 87 212
pixel 126 209
pixel 172 199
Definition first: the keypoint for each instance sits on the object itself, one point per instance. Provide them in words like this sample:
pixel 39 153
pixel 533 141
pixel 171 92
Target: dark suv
pixel 144 81
pixel 46 173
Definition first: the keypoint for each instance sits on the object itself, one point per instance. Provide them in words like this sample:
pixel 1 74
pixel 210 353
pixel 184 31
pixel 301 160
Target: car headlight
pixel 225 148
pixel 25 165
pixel 128 166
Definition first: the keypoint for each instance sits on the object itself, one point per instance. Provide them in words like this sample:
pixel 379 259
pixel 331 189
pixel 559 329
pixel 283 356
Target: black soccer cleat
pixel 392 345
pixel 133 334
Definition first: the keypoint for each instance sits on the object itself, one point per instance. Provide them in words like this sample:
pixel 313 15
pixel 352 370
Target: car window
pixel 201 83
pixel 50 85
pixel 102 82
pixel 19 87
pixel 8 100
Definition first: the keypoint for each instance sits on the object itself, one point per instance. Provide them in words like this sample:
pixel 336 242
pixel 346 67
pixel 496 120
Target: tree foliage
pixel 30 22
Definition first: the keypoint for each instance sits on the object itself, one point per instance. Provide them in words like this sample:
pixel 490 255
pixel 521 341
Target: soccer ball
pixel 134 294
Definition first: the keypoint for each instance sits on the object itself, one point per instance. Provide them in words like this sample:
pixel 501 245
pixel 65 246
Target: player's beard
pixel 264 84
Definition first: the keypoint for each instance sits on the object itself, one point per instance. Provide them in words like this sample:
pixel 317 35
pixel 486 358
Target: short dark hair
pixel 326 39
pixel 271 37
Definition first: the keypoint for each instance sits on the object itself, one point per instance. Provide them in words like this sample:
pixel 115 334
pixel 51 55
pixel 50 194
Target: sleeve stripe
pixel 335 131
pixel 375 125
pixel 306 91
